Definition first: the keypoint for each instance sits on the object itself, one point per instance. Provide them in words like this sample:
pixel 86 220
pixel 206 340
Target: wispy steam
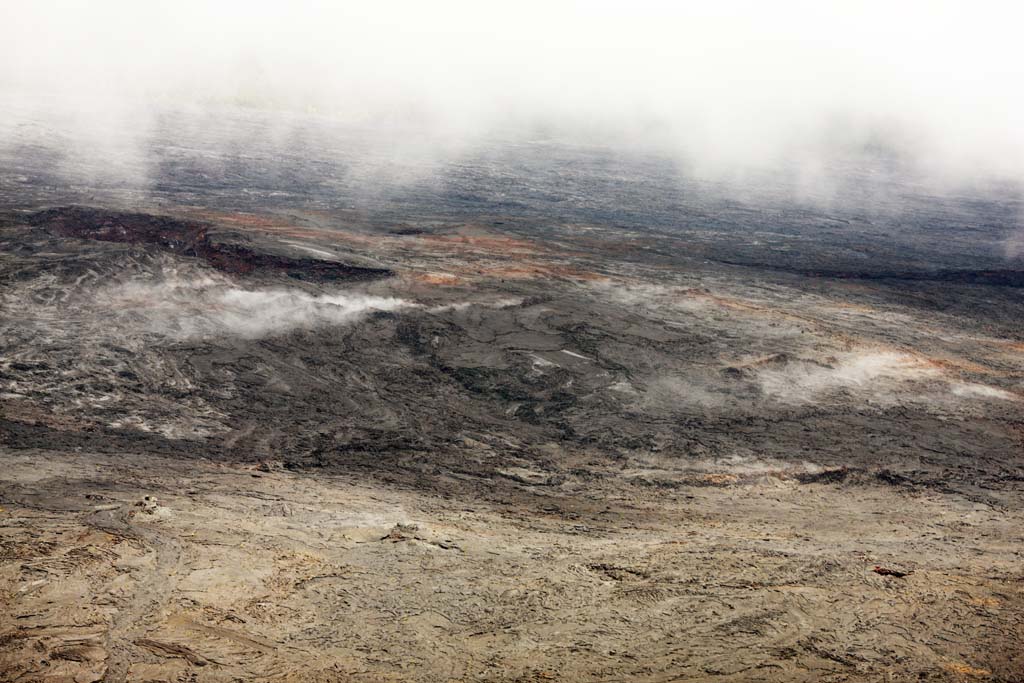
pixel 203 307
pixel 192 305
pixel 875 373
pixel 724 85
pixel 972 390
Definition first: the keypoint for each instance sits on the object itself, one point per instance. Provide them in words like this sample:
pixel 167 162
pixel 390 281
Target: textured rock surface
pixel 513 423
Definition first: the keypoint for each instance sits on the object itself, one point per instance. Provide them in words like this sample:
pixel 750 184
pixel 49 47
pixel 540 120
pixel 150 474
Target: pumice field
pixel 312 372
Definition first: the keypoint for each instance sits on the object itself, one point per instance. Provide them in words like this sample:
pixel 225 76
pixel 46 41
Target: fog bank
pixel 723 87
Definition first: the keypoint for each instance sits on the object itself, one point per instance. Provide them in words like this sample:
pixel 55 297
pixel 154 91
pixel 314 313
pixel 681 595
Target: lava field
pixel 263 419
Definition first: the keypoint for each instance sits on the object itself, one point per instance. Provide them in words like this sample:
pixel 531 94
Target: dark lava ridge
pixel 190 238
pixel 994 277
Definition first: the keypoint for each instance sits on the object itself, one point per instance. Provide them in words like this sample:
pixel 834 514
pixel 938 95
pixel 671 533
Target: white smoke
pixel 884 376
pixel 974 390
pixel 185 304
pixel 724 85
pixel 804 381
pixel 206 307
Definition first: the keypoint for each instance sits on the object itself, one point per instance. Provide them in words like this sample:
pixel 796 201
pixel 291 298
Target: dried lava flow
pixel 993 277
pixel 190 238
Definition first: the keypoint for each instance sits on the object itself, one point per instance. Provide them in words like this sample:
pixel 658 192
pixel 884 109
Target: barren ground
pixel 514 424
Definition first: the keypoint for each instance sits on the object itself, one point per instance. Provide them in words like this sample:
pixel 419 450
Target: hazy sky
pixel 727 83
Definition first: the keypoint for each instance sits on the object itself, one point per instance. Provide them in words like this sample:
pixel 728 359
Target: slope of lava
pixel 190 238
